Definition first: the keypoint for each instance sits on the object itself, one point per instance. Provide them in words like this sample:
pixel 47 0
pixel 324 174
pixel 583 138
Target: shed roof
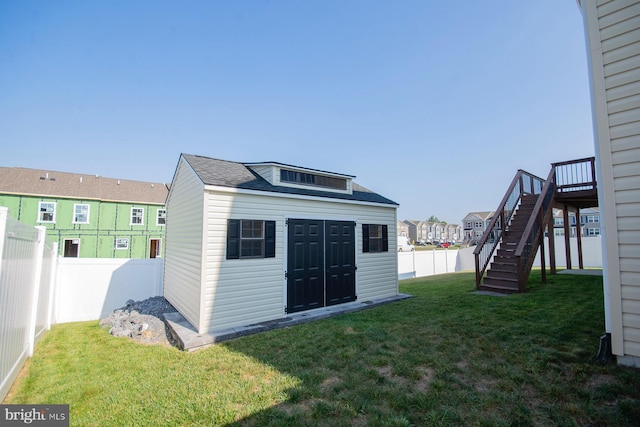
pixel 37 182
pixel 231 174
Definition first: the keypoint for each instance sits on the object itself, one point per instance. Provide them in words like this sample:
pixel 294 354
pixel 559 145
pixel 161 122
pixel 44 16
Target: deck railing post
pixel 542 251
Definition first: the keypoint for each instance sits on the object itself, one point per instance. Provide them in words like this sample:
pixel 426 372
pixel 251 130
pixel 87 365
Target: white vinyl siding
pixel 613 30
pixel 247 291
pixel 183 250
pixel 266 171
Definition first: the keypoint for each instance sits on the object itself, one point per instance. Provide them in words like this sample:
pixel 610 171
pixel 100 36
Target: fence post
pixel 4 213
pixel 52 283
pixel 38 255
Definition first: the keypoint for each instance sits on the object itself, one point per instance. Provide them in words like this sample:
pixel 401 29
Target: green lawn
pixel 444 357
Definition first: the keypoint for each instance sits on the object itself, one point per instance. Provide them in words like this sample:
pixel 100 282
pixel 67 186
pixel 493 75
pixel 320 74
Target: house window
pixel 478 233
pixel 161 218
pixel 122 244
pixel 375 238
pixel 478 224
pixel 250 238
pixel 80 214
pixel 46 212
pixel 593 231
pixel 469 224
pixel 136 216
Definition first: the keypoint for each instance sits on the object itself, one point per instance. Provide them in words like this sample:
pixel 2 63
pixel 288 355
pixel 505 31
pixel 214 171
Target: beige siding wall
pixel 183 256
pixel 613 29
pixel 246 291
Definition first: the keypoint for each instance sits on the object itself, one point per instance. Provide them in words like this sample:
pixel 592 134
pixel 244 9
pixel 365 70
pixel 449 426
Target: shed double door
pixel 321 268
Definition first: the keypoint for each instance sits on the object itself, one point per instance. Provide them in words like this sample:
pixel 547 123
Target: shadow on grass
pixel 448 357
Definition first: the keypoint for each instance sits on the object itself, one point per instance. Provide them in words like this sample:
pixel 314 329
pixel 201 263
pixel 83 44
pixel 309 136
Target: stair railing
pixel 523 183
pixel 534 231
pixel 575 175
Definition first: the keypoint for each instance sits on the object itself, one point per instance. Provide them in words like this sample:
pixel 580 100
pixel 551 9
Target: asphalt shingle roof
pixel 226 173
pixel 37 182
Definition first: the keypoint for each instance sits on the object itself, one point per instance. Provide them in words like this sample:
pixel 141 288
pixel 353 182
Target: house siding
pixel 183 254
pixel 613 31
pixel 107 221
pixel 245 291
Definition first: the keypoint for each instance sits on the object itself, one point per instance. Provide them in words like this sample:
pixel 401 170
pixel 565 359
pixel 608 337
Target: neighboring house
pixel 403 229
pixel 252 242
pixel 415 229
pixel 438 232
pixel 474 225
pixel 612 30
pixel 89 216
pixel 453 233
pixel 589 222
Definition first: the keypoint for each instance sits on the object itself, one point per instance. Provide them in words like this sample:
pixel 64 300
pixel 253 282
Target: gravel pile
pixel 141 321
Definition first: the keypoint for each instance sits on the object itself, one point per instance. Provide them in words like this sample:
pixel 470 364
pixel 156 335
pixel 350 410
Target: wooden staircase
pixel 512 239
pixel 502 275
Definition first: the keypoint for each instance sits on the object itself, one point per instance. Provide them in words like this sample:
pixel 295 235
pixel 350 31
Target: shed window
pixel 250 238
pixel 375 238
pixel 312 179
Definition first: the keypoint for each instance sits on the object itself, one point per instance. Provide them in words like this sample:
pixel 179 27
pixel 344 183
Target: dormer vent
pixel 305 178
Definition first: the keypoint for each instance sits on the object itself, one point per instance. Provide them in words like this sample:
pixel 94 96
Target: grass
pixel 444 357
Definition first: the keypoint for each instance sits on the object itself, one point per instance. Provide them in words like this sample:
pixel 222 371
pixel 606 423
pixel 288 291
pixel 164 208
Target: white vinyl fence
pixel 27 271
pixel 91 288
pixel 432 262
pixel 38 289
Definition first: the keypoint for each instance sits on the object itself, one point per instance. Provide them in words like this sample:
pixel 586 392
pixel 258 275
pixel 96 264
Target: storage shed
pixel 253 242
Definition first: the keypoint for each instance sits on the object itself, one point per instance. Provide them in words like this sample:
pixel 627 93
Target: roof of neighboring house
pixel 227 173
pixel 37 182
pixel 413 222
pixel 481 215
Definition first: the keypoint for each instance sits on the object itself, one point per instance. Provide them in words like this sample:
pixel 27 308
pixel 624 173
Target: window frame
pixel 235 239
pixel 381 242
pixel 164 217
pixel 121 239
pixel 131 216
pixel 52 213
pixel 75 213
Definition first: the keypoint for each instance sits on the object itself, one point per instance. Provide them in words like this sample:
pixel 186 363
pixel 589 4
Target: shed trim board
pixel 236 292
pixel 215 188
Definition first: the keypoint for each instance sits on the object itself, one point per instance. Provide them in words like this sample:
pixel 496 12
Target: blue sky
pixel 433 104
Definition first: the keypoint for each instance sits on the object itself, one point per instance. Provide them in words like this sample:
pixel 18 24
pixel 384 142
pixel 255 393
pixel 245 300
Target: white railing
pixel 27 269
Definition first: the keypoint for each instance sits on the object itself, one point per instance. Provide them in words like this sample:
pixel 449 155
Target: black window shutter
pixel 365 237
pixel 233 239
pixel 385 238
pixel 269 239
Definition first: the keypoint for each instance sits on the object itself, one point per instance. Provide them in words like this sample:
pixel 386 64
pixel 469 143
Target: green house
pixel 90 216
